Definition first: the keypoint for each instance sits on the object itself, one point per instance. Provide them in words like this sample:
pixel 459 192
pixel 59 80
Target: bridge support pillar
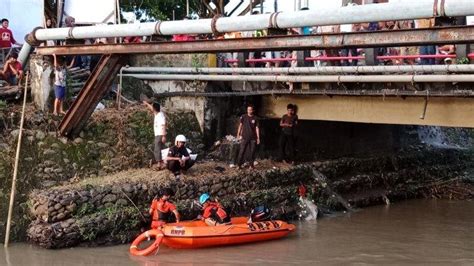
pixel 242 59
pixel 370 56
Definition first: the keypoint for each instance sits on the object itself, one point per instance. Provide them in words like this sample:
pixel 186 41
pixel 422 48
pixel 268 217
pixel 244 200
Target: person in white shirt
pixel 59 85
pixel 159 128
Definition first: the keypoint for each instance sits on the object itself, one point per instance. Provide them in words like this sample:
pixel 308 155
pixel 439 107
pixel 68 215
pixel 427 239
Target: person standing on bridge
pixel 249 136
pixel 159 128
pixel 59 84
pixel 6 35
pixel 426 50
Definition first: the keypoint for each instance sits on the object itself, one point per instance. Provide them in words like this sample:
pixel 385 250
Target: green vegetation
pixel 3 105
pixel 85 209
pixel 159 9
pixel 464 61
pixel 196 61
pixel 114 221
pixel 3 117
pixel 141 124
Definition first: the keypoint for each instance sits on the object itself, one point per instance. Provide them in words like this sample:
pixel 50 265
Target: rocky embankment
pixel 80 191
pixel 113 141
pixel 112 209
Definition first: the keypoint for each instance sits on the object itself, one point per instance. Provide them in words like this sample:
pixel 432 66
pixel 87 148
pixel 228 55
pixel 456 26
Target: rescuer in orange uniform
pixel 161 209
pixel 213 212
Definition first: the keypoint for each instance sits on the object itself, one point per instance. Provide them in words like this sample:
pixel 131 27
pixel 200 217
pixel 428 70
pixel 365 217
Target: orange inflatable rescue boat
pixel 196 234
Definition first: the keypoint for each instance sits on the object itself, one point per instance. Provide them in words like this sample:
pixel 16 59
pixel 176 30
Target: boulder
pixel 40 135
pixel 109 198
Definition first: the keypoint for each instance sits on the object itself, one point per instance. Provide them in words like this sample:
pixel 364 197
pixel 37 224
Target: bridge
pixel 438 95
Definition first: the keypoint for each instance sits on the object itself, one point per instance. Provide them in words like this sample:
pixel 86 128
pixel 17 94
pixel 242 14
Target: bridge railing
pixel 246 61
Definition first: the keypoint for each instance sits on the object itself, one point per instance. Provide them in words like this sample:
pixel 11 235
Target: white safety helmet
pixel 179 138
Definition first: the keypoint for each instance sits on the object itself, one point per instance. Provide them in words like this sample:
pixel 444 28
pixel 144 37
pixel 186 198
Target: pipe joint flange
pixel 214 25
pixel 273 22
pixel 158 28
pixel 31 38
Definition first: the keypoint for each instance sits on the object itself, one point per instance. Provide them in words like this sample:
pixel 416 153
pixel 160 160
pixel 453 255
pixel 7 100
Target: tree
pixel 159 9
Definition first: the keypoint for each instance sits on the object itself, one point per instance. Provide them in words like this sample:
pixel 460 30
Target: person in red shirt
pixel 6 35
pixel 161 209
pixel 134 39
pixel 12 70
pixel 183 37
pixel 213 212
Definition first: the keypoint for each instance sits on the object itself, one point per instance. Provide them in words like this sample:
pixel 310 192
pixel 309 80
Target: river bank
pixel 99 211
pixel 403 233
pixel 113 141
pixel 76 192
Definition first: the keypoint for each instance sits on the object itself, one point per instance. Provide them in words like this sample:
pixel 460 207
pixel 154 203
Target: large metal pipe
pixel 24 54
pixel 307 70
pixel 319 17
pixel 310 79
pixel 383 92
pixel 417 37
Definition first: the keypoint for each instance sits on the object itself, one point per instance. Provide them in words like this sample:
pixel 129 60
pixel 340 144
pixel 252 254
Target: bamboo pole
pixel 118 17
pixel 187 8
pixel 15 169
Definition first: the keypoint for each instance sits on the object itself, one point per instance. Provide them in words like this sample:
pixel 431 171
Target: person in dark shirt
pixel 249 136
pixel 288 123
pixel 178 159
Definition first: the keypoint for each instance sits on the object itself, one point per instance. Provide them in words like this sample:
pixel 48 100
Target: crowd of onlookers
pixel 11 70
pixel 425 55
pixel 86 61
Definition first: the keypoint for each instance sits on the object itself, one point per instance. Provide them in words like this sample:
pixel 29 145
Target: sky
pixel 289 5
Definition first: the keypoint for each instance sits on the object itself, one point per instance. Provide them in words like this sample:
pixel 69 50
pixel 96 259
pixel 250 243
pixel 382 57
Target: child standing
pixel 59 85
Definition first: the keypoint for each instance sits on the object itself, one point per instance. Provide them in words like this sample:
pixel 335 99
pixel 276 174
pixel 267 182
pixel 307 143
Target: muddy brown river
pixel 413 232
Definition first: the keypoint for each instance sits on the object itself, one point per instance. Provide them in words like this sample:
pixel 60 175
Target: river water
pixel 413 232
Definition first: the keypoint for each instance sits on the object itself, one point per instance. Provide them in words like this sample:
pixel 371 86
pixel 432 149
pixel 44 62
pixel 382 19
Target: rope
pixel 134 205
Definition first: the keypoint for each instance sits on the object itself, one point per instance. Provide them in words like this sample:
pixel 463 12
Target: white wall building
pixel 24 16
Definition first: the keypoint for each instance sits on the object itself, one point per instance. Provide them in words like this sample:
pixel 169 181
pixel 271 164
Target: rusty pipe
pixel 307 70
pixel 320 17
pixel 310 79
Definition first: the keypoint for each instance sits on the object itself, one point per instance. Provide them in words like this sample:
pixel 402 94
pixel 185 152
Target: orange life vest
pixel 161 209
pixel 215 211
